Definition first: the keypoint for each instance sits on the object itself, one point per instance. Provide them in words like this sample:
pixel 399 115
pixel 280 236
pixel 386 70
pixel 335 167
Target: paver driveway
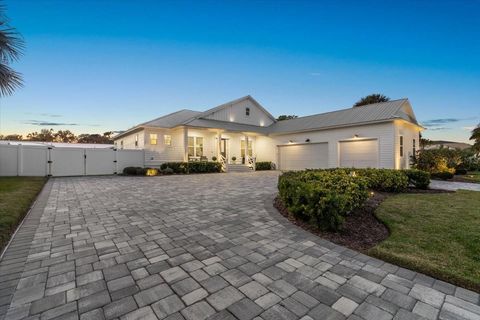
pixel 196 247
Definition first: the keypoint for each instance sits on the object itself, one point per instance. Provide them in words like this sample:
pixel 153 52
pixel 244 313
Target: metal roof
pixel 372 113
pixel 376 112
pixel 229 126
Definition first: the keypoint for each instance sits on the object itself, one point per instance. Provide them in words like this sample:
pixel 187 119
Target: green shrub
pixel 264 165
pixel 323 197
pixel 167 170
pixel 418 178
pixel 130 171
pixel 461 171
pixel 388 180
pixel 443 175
pixel 437 160
pixel 192 167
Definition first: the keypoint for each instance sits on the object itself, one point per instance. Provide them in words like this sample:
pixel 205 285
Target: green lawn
pixel 473 176
pixel 437 234
pixel 16 197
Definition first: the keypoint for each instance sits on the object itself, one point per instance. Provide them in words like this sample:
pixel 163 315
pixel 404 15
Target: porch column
pixel 185 144
pixel 219 144
pixel 246 148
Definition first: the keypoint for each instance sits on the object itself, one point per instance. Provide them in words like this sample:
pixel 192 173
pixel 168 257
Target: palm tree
pixel 372 98
pixel 11 48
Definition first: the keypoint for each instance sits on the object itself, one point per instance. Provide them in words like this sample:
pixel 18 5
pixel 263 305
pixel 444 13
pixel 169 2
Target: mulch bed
pixel 361 230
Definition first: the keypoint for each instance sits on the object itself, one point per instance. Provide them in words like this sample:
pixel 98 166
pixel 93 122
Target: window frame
pixel 195 147
pixel 153 139
pixel 414 147
pixel 401 146
pixel 247 111
pixel 167 140
pixel 136 140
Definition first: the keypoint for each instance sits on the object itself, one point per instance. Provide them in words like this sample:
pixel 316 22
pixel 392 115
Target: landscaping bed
pixel 16 197
pixel 472 177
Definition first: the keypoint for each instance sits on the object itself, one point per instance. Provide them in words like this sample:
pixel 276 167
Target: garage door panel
pixel 300 157
pixel 359 154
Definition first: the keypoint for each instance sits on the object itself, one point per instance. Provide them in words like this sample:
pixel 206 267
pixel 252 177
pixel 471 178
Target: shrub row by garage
pixel 325 197
pixel 176 167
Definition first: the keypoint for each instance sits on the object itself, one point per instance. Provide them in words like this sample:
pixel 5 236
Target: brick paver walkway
pixel 198 247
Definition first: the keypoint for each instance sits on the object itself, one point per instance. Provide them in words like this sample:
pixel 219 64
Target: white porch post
pixel 219 144
pixel 185 144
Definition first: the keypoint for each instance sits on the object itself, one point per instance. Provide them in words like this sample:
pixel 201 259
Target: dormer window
pixel 247 111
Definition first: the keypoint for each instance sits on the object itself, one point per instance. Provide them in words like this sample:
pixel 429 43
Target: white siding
pixel 129 141
pixel 265 149
pixel 384 132
pixel 409 132
pixel 160 153
pixel 236 113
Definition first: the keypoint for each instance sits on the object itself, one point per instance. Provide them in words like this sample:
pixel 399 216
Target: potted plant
pixel 214 159
pixel 234 159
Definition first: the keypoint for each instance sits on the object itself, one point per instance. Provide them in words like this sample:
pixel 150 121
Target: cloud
pixel 49 115
pixel 469 128
pixel 438 122
pixel 49 123
pixel 315 74
pixel 438 128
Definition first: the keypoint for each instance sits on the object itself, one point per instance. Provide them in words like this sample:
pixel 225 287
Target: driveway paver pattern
pixel 198 247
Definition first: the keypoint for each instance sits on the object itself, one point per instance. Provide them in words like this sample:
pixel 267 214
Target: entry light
pixel 308 140
pixel 290 141
pixel 355 136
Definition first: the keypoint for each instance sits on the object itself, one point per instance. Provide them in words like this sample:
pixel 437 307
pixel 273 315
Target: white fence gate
pixel 25 160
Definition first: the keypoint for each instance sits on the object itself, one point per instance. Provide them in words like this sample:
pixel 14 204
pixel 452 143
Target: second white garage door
pixel 359 154
pixel 304 156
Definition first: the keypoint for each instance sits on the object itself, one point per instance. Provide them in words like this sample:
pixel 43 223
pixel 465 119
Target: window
pixel 247 111
pixel 136 140
pixel 195 146
pixel 401 146
pixel 121 144
pixel 414 147
pixel 153 138
pixel 167 139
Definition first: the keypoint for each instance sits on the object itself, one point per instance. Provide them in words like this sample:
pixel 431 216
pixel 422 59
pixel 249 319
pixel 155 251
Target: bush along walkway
pixel 203 247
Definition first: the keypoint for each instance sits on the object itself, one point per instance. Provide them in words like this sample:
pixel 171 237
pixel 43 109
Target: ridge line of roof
pixel 334 111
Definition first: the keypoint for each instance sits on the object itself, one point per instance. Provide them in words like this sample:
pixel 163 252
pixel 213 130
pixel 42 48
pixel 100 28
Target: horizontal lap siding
pixel 384 132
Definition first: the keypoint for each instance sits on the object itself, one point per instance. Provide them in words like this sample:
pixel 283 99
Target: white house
pixel 381 135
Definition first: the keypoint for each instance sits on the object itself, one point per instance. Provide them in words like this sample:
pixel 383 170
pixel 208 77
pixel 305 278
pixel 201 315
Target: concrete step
pixel 238 168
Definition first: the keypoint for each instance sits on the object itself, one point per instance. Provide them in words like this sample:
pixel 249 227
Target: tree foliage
pixel 11 48
pixel 476 137
pixel 371 98
pixel 66 136
pixel 286 117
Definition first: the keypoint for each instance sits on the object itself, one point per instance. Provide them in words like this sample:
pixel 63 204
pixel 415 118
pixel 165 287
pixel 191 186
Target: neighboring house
pixel 452 145
pixel 382 135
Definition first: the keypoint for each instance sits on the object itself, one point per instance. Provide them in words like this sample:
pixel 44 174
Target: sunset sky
pixel 96 66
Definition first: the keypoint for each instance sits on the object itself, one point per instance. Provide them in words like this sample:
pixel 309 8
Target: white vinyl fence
pixel 27 160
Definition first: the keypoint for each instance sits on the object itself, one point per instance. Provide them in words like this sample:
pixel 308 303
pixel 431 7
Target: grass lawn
pixel 16 197
pixel 437 234
pixel 472 176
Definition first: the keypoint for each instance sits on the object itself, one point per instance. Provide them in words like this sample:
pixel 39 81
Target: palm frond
pixel 9 80
pixel 11 43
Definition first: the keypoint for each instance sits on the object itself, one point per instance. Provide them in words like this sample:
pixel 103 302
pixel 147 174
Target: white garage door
pixel 305 156
pixel 359 154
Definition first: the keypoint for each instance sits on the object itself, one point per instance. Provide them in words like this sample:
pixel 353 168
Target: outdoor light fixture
pixel 308 140
pixel 355 136
pixel 290 141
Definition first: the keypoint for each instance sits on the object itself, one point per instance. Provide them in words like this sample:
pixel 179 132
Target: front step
pixel 238 168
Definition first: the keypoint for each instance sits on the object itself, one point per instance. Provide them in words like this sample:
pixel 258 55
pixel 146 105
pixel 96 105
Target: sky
pixel 96 66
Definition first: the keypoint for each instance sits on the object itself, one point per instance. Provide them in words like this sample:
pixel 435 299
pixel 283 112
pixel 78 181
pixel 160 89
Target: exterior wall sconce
pixel 308 140
pixel 355 136
pixel 290 141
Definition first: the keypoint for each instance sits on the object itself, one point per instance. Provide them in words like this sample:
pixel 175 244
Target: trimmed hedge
pixel 192 167
pixel 134 171
pixel 443 175
pixel 323 197
pixel 326 196
pixel 418 178
pixel 264 165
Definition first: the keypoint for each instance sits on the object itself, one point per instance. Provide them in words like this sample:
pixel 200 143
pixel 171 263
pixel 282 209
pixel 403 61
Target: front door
pixel 223 148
